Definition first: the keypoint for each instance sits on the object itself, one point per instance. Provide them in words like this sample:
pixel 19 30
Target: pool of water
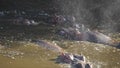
pixel 17 52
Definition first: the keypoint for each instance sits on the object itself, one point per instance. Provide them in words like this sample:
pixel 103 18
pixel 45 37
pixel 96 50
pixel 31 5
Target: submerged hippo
pixel 76 61
pixel 47 45
pixel 70 58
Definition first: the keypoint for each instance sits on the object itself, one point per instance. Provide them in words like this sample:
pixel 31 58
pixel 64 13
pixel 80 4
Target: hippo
pixel 56 19
pixel 87 35
pixel 75 60
pixel 96 37
pixel 79 65
pixel 48 45
pixel 70 58
pixel 70 33
pixel 118 46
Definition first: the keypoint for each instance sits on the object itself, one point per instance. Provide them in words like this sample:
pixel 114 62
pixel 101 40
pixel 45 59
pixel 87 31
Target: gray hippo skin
pixel 96 37
pixel 88 35
pixel 82 65
pixel 47 45
pixel 75 60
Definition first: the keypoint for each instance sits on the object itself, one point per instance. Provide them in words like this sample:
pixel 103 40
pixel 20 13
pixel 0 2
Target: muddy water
pixel 29 55
pixel 100 56
pixel 16 52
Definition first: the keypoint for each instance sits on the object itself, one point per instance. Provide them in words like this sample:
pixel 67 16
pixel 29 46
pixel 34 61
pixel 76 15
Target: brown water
pixel 27 56
pixel 99 55
pixel 20 53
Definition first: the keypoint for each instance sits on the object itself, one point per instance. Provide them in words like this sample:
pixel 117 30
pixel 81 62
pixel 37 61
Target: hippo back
pixel 96 37
pixel 101 38
pixel 47 45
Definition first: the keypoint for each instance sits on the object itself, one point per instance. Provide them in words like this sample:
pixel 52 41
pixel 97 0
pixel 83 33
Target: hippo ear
pixel 118 46
pixel 87 66
pixel 79 65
